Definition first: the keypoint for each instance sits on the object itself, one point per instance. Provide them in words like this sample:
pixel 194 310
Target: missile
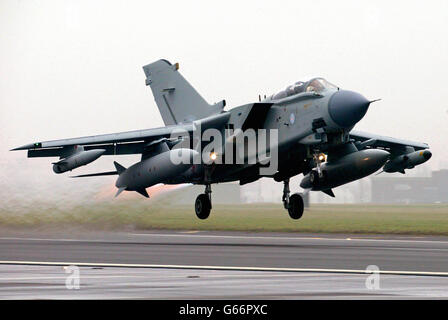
pixel 407 161
pixel 350 167
pixel 154 170
pixel 76 160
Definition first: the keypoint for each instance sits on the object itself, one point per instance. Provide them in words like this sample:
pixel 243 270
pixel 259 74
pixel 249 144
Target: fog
pixel 73 68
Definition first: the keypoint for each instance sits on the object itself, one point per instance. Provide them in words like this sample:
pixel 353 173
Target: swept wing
pixel 393 145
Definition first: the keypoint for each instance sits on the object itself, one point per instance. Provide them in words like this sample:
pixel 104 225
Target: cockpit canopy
pixel 314 85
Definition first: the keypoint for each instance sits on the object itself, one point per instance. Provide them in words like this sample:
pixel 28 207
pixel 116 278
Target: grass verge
pixel 141 215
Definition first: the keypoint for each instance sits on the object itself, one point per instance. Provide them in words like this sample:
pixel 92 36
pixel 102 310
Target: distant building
pixel 384 188
pixel 433 189
pixel 269 191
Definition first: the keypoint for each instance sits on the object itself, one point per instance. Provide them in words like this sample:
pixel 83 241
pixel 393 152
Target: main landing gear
pixel 294 203
pixel 203 203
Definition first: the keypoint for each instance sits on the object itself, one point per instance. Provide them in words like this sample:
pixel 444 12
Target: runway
pixel 215 265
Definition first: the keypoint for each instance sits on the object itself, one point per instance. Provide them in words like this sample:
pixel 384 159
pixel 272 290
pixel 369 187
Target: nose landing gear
pixel 296 206
pixel 294 203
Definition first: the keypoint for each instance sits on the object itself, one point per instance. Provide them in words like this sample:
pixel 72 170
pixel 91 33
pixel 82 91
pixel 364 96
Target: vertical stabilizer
pixel 177 100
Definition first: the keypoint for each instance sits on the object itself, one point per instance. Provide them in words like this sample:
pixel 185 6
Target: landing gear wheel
pixel 295 208
pixel 202 206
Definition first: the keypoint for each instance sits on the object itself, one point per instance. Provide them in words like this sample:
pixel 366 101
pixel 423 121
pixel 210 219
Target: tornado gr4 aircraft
pixel 304 129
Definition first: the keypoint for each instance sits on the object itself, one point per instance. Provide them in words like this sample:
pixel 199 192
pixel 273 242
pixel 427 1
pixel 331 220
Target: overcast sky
pixel 73 68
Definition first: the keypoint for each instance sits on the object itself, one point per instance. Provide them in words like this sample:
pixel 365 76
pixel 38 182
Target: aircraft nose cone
pixel 121 181
pixel 427 155
pixel 346 108
pixel 374 157
pixel 381 156
pixel 118 183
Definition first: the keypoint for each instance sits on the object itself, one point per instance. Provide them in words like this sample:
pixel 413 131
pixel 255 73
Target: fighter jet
pixel 309 125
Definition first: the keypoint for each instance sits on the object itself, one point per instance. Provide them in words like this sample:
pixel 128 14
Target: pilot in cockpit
pixel 315 86
pixel 299 87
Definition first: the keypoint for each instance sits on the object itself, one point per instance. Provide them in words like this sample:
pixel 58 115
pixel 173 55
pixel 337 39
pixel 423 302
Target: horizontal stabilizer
pixel 109 173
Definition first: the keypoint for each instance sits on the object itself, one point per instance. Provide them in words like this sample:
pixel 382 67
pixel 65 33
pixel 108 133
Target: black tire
pixel 295 208
pixel 202 206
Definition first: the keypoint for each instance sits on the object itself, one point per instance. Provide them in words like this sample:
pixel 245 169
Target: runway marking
pixel 281 238
pixel 64 277
pixel 157 278
pixel 52 239
pixel 192 235
pixel 193 267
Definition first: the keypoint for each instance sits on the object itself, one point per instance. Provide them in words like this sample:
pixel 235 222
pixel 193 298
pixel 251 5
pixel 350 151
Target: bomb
pixel 407 161
pixel 156 169
pixel 76 160
pixel 345 169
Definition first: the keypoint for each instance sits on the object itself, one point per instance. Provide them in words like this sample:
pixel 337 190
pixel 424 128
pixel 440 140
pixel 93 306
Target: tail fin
pixel 143 192
pixel 119 167
pixel 120 190
pixel 329 192
pixel 177 100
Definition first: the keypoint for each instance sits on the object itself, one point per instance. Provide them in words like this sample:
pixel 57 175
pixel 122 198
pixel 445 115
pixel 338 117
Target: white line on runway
pixel 280 237
pixel 183 235
pixel 53 239
pixel 64 277
pixel 146 278
pixel 193 267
